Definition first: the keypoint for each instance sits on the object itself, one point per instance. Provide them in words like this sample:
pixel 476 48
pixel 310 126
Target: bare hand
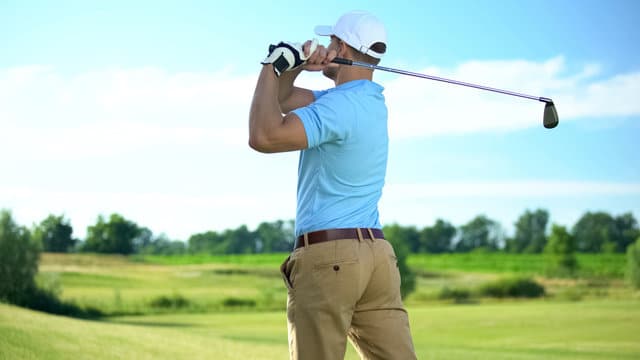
pixel 319 59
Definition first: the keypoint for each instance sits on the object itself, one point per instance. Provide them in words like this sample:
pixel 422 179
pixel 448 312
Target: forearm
pixel 285 85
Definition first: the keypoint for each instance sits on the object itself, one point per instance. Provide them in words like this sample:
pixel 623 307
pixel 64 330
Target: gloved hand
pixel 287 56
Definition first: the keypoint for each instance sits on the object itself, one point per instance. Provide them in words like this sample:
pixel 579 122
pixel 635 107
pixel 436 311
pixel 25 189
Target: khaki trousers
pixel 346 289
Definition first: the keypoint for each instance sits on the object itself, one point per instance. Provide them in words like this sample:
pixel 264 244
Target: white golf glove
pixel 287 56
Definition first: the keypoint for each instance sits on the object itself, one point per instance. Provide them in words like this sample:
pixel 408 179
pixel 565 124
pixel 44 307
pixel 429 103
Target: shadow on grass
pixel 46 301
pixel 153 323
pixel 255 339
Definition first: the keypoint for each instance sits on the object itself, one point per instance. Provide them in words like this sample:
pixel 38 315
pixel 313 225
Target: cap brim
pixel 324 30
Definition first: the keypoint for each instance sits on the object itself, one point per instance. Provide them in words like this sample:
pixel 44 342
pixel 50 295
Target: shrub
pixel 19 256
pixel 175 301
pixel 397 238
pixel 517 287
pixel 633 264
pixel 560 252
pixel 459 295
pixel 238 302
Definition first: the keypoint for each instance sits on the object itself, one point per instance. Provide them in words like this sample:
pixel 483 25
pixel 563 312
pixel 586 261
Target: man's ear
pixel 343 50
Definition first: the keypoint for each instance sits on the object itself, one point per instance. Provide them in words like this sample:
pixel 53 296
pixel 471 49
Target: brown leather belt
pixel 316 237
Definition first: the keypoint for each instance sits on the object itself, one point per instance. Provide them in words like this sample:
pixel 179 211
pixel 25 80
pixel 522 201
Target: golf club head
pixel 550 118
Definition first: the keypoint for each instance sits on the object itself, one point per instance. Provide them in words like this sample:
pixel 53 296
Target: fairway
pixel 118 286
pixel 514 330
pixel 233 308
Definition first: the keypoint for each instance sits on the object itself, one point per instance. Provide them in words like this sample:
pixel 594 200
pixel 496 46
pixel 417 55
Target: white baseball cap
pixel 359 29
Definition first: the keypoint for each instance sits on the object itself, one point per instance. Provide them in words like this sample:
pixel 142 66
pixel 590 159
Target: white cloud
pixel 511 189
pixel 52 125
pixel 39 96
pixel 102 140
pixel 421 107
pixel 116 111
pixel 99 111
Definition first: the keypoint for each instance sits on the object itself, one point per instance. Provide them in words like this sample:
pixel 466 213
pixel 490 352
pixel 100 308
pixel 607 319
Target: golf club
pixel 549 119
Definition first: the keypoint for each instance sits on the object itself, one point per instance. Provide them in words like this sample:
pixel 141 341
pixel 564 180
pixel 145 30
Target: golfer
pixel 342 276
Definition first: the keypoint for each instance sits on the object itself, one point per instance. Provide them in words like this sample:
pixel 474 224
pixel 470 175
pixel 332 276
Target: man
pixel 342 277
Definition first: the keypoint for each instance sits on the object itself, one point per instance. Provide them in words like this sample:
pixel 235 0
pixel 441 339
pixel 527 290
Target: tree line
pixel 594 232
pixel 20 246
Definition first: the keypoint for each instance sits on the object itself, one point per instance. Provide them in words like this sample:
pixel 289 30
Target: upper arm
pixel 298 98
pixel 329 119
pixel 288 135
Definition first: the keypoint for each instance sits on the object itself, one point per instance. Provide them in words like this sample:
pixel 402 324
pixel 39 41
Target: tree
pixel 410 236
pixel 595 232
pixel 479 233
pixel 239 241
pixel 530 235
pixel 115 236
pixel 601 232
pixel 54 233
pixel 633 264
pixel 231 241
pixel 143 240
pixel 19 255
pixel 395 235
pixel 208 242
pixel 438 238
pixel 560 251
pixel 627 231
pixel 162 245
pixel 275 236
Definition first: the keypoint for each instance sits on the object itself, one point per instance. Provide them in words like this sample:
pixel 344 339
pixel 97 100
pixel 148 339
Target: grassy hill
pixel 515 330
pixel 31 335
pixel 119 285
pixel 233 308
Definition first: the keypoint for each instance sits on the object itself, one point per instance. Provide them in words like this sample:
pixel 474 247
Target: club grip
pixel 342 61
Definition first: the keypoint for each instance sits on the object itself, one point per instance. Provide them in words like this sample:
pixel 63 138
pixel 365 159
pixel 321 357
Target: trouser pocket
pixel 285 272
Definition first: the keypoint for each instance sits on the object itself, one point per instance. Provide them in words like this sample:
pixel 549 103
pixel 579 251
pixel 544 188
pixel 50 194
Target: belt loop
pixel 360 238
pixel 305 236
pixel 371 234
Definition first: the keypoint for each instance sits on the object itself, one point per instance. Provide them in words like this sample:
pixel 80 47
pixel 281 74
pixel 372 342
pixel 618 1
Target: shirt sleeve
pixel 325 120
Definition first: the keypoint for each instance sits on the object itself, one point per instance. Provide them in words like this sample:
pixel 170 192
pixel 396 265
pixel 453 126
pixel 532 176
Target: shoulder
pixel 357 90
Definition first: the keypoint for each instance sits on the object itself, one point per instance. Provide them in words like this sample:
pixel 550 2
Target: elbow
pixel 255 143
pixel 260 143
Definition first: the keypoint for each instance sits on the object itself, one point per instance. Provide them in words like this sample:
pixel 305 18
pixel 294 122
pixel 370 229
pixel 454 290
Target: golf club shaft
pixel 437 78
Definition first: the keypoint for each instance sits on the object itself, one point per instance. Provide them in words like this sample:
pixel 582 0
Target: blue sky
pixel 141 108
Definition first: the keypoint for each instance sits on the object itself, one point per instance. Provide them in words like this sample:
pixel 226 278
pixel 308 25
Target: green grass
pixel 514 330
pixel 233 308
pixel 604 265
pixel 608 265
pixel 272 259
pixel 118 285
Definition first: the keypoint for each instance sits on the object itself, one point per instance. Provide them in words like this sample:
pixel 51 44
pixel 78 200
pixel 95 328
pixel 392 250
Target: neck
pixel 348 73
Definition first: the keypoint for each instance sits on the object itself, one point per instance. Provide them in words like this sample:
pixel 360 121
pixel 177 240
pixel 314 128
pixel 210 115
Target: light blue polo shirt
pixel 341 174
